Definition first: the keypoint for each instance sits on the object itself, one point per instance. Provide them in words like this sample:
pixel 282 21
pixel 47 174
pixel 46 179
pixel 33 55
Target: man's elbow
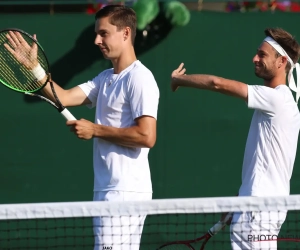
pixel 216 83
pixel 149 141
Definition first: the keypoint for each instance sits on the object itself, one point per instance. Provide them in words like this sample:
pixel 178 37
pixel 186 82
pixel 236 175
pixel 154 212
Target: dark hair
pixel 287 42
pixel 120 16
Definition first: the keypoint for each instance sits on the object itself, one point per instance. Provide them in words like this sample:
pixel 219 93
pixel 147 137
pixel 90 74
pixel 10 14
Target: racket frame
pixel 210 233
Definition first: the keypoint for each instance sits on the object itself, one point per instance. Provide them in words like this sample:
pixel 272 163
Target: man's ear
pixel 127 33
pixel 283 61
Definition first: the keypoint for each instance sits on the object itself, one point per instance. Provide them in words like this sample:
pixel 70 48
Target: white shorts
pixel 256 230
pixel 119 233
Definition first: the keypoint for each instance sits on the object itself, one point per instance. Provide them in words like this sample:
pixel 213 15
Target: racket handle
pixel 217 227
pixel 67 115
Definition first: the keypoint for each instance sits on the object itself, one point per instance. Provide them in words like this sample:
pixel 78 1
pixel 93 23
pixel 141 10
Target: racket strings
pixel 11 78
pixel 9 71
pixel 7 56
pixel 12 71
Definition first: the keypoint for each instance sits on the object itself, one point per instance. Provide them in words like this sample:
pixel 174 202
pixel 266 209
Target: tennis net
pixel 70 225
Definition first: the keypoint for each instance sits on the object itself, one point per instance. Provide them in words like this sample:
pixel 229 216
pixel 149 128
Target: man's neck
pixel 276 81
pixel 124 61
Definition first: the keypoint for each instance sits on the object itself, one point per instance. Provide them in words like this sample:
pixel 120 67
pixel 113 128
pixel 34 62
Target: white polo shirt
pixel 272 142
pixel 119 99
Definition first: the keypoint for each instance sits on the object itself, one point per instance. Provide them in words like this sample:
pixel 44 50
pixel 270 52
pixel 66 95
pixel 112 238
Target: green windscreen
pixel 18 54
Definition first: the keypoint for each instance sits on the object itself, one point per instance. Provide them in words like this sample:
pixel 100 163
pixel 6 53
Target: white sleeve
pixel 91 89
pixel 265 99
pixel 143 94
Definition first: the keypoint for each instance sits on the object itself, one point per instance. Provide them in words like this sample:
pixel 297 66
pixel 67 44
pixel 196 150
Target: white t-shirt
pixel 119 99
pixel 272 142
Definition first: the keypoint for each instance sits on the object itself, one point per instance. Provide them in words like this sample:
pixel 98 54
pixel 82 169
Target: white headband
pixel 291 80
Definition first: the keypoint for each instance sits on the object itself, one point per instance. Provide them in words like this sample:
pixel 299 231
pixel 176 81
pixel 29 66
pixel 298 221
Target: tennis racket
pixel 187 244
pixel 19 51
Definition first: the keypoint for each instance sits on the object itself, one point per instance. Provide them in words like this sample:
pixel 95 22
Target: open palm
pixel 21 50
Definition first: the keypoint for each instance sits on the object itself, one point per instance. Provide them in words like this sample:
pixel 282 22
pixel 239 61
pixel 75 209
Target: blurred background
pixel 201 135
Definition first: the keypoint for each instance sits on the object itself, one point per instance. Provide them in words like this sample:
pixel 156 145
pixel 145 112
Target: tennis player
pixel 126 99
pixel 272 140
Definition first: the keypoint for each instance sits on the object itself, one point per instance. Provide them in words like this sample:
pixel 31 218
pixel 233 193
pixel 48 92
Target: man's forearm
pixel 128 137
pixel 68 97
pixel 196 81
pixel 213 83
pixel 43 79
pixel 58 90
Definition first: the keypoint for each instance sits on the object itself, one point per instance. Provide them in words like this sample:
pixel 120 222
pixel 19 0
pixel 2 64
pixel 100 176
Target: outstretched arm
pixel 208 82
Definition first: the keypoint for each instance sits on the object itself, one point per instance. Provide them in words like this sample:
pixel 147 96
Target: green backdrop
pixel 201 135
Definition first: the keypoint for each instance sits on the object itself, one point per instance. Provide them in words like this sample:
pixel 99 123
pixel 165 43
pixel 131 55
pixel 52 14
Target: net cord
pixel 158 206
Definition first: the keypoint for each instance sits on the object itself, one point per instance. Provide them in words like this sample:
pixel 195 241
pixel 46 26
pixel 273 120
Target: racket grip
pixel 67 115
pixel 217 227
